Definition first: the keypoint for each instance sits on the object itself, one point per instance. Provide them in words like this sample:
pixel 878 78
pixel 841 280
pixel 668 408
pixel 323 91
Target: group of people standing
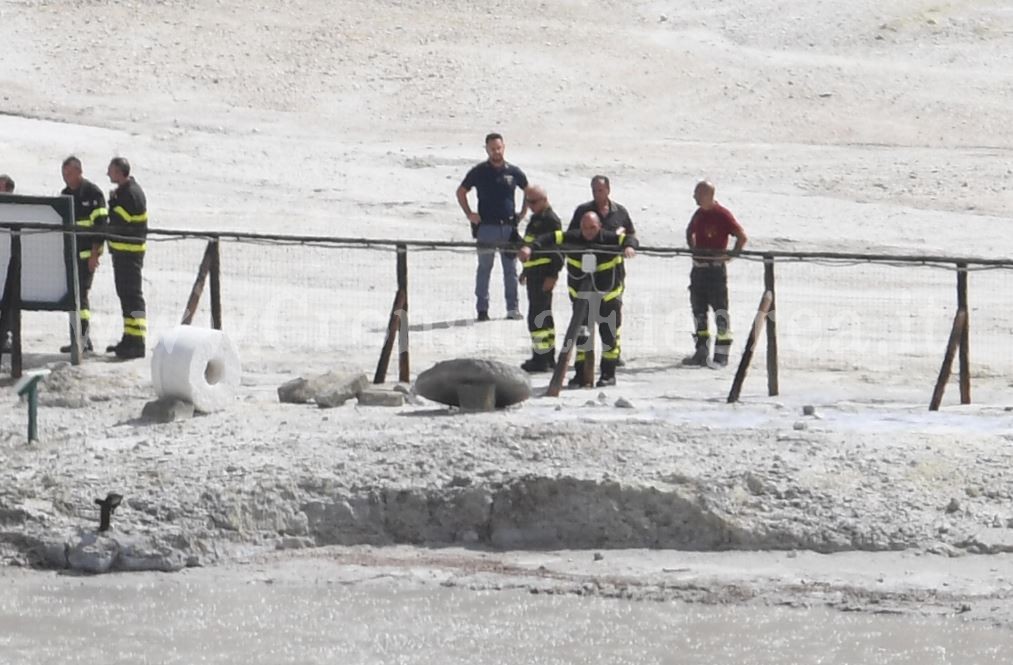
pixel 599 238
pixel 122 225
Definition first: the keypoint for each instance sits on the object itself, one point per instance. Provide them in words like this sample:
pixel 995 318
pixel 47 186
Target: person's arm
pixel 100 219
pixel 736 230
pixel 690 237
pixel 627 226
pixel 462 200
pixel 630 244
pixel 521 183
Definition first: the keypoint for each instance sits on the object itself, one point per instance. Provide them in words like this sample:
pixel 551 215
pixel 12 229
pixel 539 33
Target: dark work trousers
pixel 540 322
pixel 708 288
pixel 127 275
pixel 84 279
pixel 610 323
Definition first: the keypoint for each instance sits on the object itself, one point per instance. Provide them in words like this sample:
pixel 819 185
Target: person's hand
pixel 523 279
pixel 93 261
pixel 629 252
pixel 549 284
pixel 524 253
pixel 474 218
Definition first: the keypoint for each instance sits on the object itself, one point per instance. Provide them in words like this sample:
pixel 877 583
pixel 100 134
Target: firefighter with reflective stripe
pixel 540 274
pixel 128 229
pixel 707 234
pixel 602 285
pixel 614 216
pixel 89 213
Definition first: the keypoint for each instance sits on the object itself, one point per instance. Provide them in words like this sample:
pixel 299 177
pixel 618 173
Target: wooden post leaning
pixel 397 327
pixel 747 355
pixel 956 332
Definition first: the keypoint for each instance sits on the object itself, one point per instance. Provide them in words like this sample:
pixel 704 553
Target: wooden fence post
pixel 397 326
pixel 965 362
pixel 959 325
pixel 747 354
pixel 773 386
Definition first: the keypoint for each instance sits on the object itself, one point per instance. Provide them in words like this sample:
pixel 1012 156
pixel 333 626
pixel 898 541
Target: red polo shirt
pixel 711 228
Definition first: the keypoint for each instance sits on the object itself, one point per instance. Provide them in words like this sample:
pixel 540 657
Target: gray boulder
pixel 333 389
pixel 138 554
pixel 296 391
pixel 381 398
pixel 166 410
pixel 93 554
pixel 440 383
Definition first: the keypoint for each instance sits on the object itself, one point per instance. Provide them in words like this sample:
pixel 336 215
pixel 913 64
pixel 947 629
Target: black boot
pixel 608 373
pixel 86 344
pixel 578 376
pixel 699 358
pixel 722 349
pixel 129 347
pixel 538 362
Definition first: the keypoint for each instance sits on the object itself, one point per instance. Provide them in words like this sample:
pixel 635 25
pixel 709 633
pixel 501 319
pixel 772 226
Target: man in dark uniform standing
pixel 707 235
pixel 89 213
pixel 495 222
pixel 540 274
pixel 605 284
pixel 614 217
pixel 128 229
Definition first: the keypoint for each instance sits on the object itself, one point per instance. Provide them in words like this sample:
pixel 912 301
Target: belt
pixel 499 222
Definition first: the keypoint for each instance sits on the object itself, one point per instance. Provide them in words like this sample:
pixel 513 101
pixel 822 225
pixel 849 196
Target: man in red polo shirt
pixel 707 235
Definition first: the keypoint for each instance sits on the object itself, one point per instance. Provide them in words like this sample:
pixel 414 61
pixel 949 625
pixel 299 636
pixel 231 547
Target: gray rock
pixel 167 410
pixel 808 410
pixel 623 403
pixel 93 554
pixel 296 391
pixel 440 383
pixel 333 389
pixel 381 398
pixel 800 426
pixel 137 554
pixel 403 388
pixel 953 506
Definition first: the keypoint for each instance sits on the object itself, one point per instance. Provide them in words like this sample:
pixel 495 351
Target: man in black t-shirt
pixel 495 222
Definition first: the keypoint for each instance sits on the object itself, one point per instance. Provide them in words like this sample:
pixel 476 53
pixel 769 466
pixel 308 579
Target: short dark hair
pixel 493 136
pixel 6 183
pixel 601 178
pixel 72 160
pixel 121 164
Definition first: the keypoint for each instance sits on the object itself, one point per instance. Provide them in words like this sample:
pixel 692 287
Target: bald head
pixel 536 198
pixel 703 194
pixel 590 225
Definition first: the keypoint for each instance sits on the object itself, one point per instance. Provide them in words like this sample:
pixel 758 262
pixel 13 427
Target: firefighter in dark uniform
pixel 89 213
pixel 540 274
pixel 707 234
pixel 613 216
pixel 604 285
pixel 128 230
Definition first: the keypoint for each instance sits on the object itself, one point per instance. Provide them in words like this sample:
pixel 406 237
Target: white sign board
pixel 47 258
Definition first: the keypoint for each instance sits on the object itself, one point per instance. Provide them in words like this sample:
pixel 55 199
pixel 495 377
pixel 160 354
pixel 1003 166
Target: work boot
pixel 85 340
pixel 536 363
pixel 514 315
pixel 607 377
pixel 578 376
pixel 86 346
pixel 721 352
pixel 483 316
pixel 128 348
pixel 699 358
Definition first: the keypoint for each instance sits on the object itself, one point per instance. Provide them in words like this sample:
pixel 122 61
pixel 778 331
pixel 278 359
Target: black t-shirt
pixel 496 187
pixel 616 217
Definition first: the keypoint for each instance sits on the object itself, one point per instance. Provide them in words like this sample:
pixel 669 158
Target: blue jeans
pixel 488 234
